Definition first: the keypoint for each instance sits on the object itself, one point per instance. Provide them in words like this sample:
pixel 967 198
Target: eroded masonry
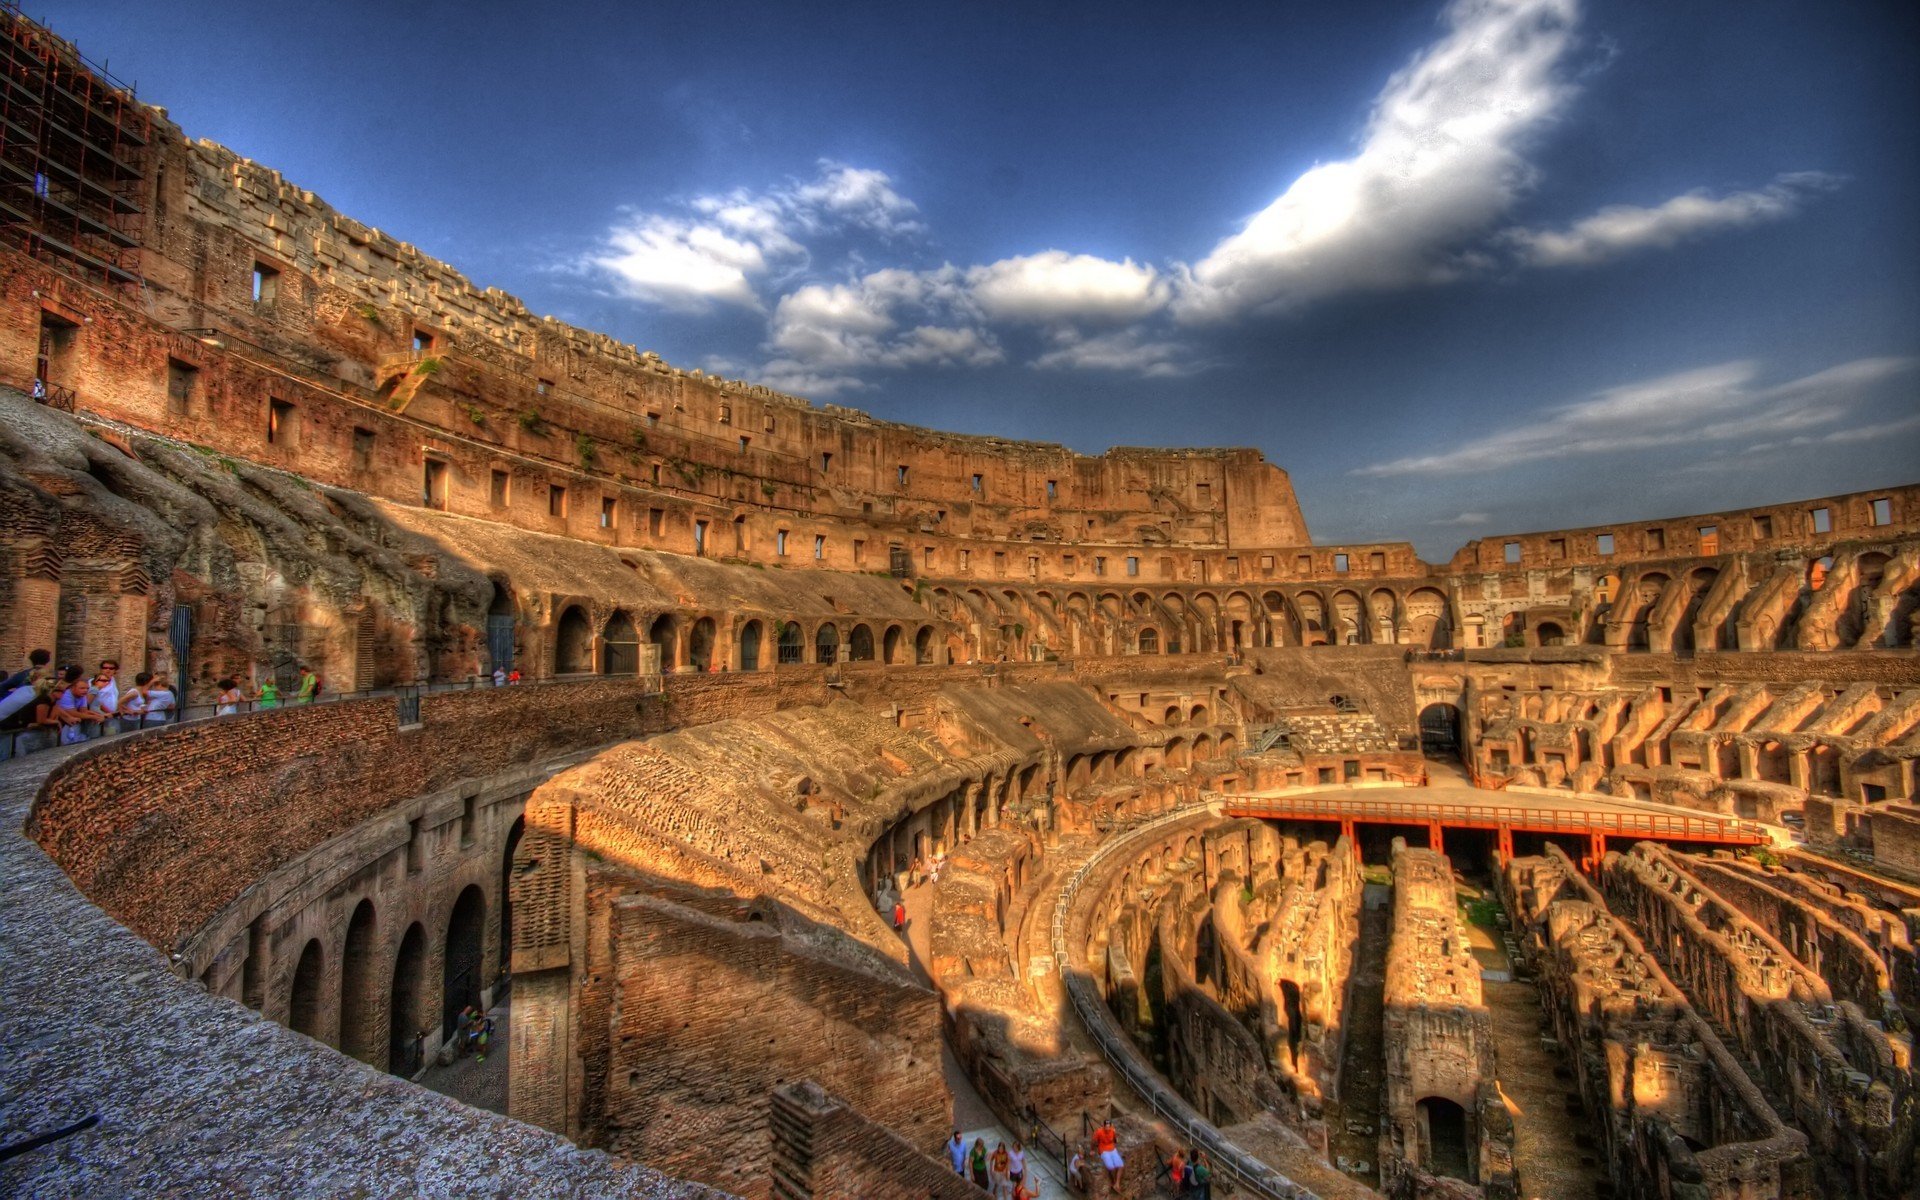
pixel 1585 863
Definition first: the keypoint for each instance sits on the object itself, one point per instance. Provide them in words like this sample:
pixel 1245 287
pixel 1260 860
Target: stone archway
pixel 406 1001
pixel 362 1028
pixel 305 1009
pixel 461 968
pixel 573 643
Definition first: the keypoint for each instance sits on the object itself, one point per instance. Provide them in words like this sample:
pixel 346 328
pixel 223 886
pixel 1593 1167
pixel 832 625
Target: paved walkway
pixel 970 1111
pixel 1553 1146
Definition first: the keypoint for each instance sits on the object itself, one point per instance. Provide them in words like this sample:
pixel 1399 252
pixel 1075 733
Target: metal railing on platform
pixel 407 698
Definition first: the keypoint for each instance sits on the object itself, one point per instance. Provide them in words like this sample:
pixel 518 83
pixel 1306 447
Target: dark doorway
pixel 360 1010
pixel 500 629
pixel 1440 730
pixel 573 645
pixel 404 1016
pixel 303 1007
pixel 466 932
pixel 663 635
pixel 620 646
pixel 750 646
pixel 1443 1125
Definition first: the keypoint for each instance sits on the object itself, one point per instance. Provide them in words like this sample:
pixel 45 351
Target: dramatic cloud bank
pixel 1425 199
pixel 1440 161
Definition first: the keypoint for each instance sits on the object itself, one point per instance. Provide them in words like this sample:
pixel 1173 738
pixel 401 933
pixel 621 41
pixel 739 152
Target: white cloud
pixel 1709 404
pixel 1439 161
pixel 858 195
pixel 1623 229
pixel 1464 519
pixel 1126 350
pixel 724 246
pixel 1054 286
pixel 886 319
pixel 681 264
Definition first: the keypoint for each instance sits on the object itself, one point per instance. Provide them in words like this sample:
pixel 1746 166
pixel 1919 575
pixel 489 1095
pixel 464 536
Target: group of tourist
pixel 474 1033
pixel 1002 1174
pixel 70 704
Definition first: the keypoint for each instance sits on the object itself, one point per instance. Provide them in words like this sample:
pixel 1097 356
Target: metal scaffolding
pixel 73 156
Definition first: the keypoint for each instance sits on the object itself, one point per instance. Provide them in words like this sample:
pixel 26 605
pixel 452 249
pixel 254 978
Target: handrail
pixel 20 742
pixel 1228 1159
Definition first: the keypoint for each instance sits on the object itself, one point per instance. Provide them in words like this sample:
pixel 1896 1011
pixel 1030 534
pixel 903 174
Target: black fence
pixel 18 742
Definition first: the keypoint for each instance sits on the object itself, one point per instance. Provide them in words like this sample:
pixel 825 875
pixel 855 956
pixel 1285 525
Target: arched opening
pixel 1550 633
pixel 1198 716
pixel 700 645
pixel 826 644
pixel 891 643
pixel 506 892
pixel 500 628
pixel 792 643
pixel 923 646
pixel 1171 716
pixel 360 1011
pixel 750 646
pixel 664 635
pixel 460 978
pixel 1440 730
pixel 620 646
pixel 1202 748
pixel 1149 641
pixel 860 644
pixel 405 1018
pixel 303 1005
pixel 573 643
pixel 1443 1138
pixel 1426 619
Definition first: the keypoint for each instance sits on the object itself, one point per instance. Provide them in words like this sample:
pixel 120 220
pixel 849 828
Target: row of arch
pixel 372 994
pixel 676 641
pixel 1008 622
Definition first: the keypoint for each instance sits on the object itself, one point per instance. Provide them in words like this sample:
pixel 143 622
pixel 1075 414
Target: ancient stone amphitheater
pixel 1584 864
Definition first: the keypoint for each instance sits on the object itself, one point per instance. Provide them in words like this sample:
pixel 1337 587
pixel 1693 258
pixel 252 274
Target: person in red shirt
pixel 899 915
pixel 1106 1143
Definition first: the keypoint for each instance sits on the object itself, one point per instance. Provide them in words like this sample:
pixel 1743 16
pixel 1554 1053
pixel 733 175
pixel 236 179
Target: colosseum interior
pixel 1586 863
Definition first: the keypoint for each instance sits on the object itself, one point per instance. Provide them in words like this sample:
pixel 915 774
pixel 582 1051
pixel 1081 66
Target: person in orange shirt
pixel 1106 1143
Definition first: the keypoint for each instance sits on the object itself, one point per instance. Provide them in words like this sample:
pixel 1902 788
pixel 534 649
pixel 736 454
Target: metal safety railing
pixel 407 698
pixel 1227 1158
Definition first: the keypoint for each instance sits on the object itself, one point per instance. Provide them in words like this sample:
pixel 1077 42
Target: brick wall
pixel 708 1014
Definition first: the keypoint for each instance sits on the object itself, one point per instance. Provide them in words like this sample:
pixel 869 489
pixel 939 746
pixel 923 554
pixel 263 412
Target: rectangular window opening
pixel 497 488
pixel 556 501
pixel 266 284
pixel 780 542
pixel 280 423
pixel 1880 511
pixel 1340 563
pixel 182 379
pixel 699 537
pixel 656 522
pixel 433 484
pixel 1604 543
pixel 1511 552
pixel 609 512
pixel 819 546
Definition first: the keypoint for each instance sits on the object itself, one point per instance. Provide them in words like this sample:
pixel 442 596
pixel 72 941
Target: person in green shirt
pixel 269 695
pixel 309 685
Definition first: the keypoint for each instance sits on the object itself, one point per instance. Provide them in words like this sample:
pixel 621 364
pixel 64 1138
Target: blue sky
pixel 1461 269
